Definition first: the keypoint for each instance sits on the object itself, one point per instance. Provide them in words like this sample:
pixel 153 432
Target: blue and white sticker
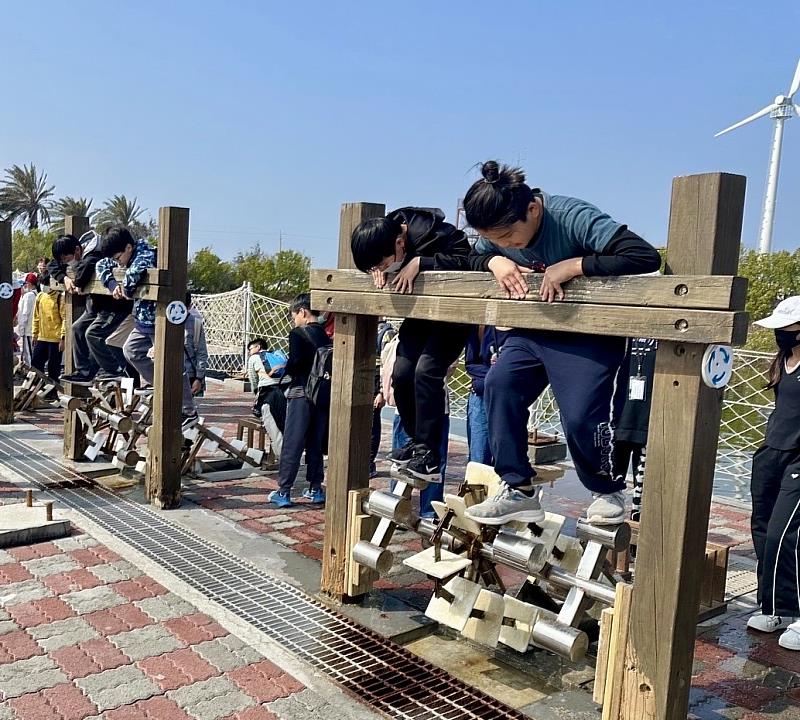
pixel 176 312
pixel 6 291
pixel 717 365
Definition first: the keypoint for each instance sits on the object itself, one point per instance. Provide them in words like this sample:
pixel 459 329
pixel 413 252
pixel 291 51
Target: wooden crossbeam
pixel 679 324
pixel 156 287
pixel 6 328
pixel 700 292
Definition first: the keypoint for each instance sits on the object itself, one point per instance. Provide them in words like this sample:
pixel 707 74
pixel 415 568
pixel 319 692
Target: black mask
pixel 787 339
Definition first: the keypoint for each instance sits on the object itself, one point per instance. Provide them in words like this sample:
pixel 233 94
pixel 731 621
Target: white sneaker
pixel 790 639
pixel 606 509
pixel 768 623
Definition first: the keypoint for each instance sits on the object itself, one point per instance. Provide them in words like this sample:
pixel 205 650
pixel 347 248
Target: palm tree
pixel 69 206
pixel 25 197
pixel 121 211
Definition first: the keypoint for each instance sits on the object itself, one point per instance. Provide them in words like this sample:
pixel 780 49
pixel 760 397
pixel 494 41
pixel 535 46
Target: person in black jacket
pixel 93 358
pixel 306 425
pixel 410 240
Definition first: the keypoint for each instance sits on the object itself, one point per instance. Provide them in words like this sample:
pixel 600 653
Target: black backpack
pixel 318 385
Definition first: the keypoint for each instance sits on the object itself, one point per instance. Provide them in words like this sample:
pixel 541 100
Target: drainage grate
pixel 376 670
pixel 741 580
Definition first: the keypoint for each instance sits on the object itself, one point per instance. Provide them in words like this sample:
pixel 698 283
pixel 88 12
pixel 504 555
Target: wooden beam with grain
pixel 700 326
pixel 6 330
pixel 709 292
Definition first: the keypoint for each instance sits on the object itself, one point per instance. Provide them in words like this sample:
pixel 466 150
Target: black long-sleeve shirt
pixel 303 345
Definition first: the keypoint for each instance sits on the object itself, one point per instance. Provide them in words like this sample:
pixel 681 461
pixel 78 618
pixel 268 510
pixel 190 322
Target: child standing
pixel 306 422
pixel 775 486
pixel 25 310
pixel 270 404
pixel 522 227
pixel 48 330
pixel 412 240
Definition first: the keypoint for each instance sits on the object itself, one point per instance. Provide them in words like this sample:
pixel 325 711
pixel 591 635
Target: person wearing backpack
pixel 265 369
pixel 308 404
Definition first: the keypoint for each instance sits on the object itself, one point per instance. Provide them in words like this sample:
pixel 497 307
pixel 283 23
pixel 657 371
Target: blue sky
pixel 263 117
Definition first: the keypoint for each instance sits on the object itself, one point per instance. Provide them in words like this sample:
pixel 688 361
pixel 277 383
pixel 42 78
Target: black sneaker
pixel 105 376
pixel 425 465
pixel 403 455
pixel 77 378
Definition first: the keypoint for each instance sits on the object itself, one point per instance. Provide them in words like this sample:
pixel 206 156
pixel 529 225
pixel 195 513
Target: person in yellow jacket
pixel 48 330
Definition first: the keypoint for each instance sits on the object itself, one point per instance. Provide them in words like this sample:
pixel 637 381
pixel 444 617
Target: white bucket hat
pixel 786 313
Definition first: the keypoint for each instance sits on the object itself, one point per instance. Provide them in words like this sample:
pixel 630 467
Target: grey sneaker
pixel 769 623
pixel 507 504
pixel 606 509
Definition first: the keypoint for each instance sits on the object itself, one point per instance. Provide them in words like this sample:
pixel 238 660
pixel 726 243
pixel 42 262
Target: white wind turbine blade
pixel 754 116
pixel 795 81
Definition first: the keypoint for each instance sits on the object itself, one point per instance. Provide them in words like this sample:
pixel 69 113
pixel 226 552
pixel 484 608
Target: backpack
pixel 318 385
pixel 274 362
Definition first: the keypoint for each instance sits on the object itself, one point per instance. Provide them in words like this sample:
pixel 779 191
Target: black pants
pixel 90 333
pixel 630 455
pixel 273 396
pixel 425 351
pixel 306 429
pixel 775 487
pixel 47 354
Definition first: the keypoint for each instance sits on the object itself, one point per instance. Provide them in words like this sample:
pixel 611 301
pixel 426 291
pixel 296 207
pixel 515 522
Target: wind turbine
pixel 780 110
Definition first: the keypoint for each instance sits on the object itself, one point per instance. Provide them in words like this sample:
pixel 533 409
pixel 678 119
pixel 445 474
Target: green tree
pixel 69 206
pixel 208 273
pixel 120 211
pixel 280 276
pixel 25 196
pixel 28 246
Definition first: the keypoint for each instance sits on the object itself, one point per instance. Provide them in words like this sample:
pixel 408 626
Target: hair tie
pixel 490 182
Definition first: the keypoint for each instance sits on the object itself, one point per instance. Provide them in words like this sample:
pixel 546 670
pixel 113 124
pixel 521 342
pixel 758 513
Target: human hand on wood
pixel 510 277
pixel 557 274
pixel 379 278
pixel 69 285
pixel 119 294
pixel 404 282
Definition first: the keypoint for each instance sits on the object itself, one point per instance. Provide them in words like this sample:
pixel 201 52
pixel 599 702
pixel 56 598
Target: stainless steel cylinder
pixel 372 556
pixel 121 423
pixel 614 537
pixel 514 551
pixel 128 457
pixel 592 588
pixel 390 506
pixel 561 639
pixel 68 402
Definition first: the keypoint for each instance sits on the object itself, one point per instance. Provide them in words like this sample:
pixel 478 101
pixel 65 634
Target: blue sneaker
pixel 279 499
pixel 316 496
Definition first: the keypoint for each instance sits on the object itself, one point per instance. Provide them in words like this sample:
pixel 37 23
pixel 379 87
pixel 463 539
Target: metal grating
pixel 741 580
pixel 376 670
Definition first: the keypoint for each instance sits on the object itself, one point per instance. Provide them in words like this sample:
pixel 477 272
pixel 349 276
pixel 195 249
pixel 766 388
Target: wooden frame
pixel 686 313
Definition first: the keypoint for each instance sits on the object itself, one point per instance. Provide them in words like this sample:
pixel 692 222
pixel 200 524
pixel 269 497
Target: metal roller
pixel 594 589
pixel 515 551
pixel 120 423
pixel 614 537
pixel 372 556
pixel 128 457
pixel 561 639
pixel 388 505
pixel 68 402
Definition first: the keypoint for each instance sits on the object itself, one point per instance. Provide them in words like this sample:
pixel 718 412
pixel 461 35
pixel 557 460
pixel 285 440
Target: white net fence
pixel 234 318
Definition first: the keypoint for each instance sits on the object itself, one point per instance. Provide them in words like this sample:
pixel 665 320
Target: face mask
pixel 787 339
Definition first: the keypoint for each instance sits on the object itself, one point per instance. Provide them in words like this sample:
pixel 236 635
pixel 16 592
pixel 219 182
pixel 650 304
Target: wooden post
pixel 6 329
pixel 75 441
pixel 163 483
pixel 704 237
pixel 353 385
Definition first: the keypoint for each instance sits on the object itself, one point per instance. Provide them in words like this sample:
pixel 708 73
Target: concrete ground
pixel 89 629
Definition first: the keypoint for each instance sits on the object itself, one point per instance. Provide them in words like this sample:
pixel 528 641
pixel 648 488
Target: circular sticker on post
pixel 717 365
pixel 6 291
pixel 176 312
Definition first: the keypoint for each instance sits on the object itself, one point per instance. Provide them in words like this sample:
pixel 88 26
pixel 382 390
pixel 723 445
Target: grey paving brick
pixel 6 713
pixel 61 633
pixel 165 607
pixel 24 591
pixel 304 705
pixel 75 542
pixel 93 599
pixel 146 642
pixel 6 558
pixel 7 626
pixel 27 676
pixel 41 567
pixel 115 572
pixel 121 686
pixel 211 699
pixel 227 653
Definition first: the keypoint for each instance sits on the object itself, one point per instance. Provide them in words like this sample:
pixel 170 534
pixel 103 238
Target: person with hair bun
pixel 523 228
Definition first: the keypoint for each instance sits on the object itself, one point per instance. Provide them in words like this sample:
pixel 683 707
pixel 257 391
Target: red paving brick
pixel 745 693
pixel 157 708
pixel 18 645
pixel 194 629
pixel 118 619
pixel 89 657
pixel 257 712
pixel 769 653
pixel 71 581
pixel 13 572
pixel 87 557
pixel 711 652
pixel 265 681
pixel 62 702
pixel 39 612
pixel 176 669
pixel 139 588
pixel 31 552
